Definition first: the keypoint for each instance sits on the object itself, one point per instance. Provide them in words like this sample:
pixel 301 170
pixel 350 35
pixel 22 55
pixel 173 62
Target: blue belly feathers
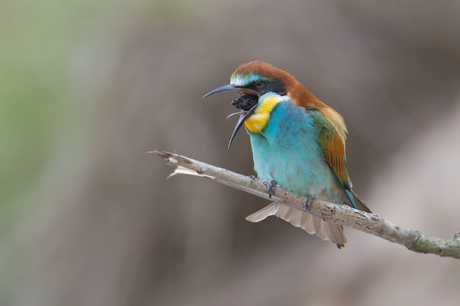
pixel 288 152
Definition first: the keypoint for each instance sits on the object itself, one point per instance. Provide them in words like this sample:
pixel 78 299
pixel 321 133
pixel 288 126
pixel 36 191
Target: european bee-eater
pixel 297 141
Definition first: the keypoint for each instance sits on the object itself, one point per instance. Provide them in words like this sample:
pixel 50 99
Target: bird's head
pixel 254 79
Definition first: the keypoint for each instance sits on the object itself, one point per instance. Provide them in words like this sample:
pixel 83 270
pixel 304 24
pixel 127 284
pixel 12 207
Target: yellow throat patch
pixel 259 120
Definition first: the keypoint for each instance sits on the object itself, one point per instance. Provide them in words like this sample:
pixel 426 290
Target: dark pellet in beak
pixel 245 102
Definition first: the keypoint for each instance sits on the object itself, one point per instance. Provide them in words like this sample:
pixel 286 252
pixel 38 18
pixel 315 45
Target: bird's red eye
pixel 259 84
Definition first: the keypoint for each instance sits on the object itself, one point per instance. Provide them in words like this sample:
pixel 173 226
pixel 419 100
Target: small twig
pixel 341 214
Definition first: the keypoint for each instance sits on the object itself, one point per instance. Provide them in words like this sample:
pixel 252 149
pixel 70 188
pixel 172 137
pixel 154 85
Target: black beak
pixel 244 114
pixel 243 117
pixel 224 88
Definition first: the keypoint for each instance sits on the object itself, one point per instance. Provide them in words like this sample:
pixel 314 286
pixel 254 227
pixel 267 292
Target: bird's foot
pixel 271 188
pixel 307 205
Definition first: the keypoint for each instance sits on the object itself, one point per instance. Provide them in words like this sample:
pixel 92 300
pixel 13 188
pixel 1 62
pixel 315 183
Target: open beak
pixel 244 115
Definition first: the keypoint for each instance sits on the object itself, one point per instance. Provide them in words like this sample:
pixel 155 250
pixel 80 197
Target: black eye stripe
pixel 276 86
pixel 268 86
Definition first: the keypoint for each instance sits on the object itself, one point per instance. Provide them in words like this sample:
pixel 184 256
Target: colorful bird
pixel 297 141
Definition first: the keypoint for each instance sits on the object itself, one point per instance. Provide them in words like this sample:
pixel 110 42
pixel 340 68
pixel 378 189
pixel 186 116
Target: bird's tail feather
pixel 311 224
pixel 360 204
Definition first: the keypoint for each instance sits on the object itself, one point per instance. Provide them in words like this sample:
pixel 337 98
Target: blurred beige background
pixel 88 87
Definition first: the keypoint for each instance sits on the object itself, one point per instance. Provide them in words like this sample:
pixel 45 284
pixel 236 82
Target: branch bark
pixel 414 240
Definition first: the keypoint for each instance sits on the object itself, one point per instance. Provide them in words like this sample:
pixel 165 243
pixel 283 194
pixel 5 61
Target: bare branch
pixel 414 240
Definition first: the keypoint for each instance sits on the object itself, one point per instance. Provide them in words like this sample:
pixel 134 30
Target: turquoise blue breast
pixel 288 152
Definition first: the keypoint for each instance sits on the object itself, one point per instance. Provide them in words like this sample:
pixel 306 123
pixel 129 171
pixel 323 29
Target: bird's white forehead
pixel 244 80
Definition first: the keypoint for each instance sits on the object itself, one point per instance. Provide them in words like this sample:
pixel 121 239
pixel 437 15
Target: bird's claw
pixel 307 205
pixel 271 188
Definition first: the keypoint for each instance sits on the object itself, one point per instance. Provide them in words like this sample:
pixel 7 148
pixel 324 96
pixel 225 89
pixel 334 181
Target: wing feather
pixel 331 135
